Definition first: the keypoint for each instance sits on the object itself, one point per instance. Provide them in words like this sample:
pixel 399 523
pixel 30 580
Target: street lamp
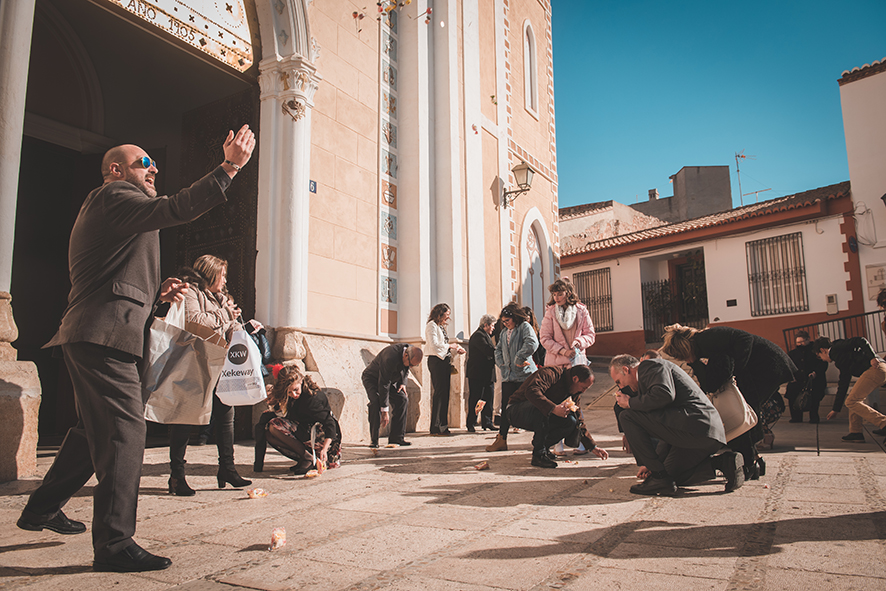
pixel 523 175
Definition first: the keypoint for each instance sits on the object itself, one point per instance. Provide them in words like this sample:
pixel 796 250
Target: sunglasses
pixel 146 162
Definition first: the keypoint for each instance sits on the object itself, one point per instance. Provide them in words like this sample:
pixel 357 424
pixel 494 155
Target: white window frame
pixel 530 70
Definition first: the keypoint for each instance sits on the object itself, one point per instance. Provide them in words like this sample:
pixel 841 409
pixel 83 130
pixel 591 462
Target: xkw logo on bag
pixel 238 354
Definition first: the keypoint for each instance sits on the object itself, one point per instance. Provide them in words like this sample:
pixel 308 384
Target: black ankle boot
pixel 230 476
pixel 179 487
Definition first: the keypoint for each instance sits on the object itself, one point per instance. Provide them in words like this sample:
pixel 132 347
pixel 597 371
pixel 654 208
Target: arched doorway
pixel 533 288
pixel 536 261
pixel 98 77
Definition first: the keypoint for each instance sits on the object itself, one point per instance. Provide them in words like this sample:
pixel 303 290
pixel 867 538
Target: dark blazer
pixel 852 357
pixel 668 392
pixel 545 389
pixel 481 358
pixel 759 365
pixel 386 372
pixel 114 259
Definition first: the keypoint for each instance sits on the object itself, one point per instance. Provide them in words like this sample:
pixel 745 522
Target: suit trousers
pixel 859 412
pixel 440 382
pixel 480 390
pixel 108 441
pixel 547 430
pixel 398 406
pixel 684 453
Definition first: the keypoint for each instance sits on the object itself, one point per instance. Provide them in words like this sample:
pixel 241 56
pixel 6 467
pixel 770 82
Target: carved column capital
pixel 291 78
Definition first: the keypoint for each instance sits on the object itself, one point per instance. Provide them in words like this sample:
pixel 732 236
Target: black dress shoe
pixel 132 559
pixel 550 455
pixel 854 437
pixel 471 429
pixel 179 487
pixel 655 486
pixel 880 432
pixel 401 442
pixel 373 445
pixel 59 523
pixel 541 460
pixel 732 466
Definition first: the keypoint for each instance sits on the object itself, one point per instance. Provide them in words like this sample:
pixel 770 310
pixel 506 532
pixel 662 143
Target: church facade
pixel 386 139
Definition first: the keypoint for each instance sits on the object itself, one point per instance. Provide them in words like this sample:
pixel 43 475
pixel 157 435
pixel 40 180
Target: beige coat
pixel 207 308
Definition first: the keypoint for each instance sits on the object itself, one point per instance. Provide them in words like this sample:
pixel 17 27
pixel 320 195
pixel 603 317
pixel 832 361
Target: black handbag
pixel 801 402
pixel 260 338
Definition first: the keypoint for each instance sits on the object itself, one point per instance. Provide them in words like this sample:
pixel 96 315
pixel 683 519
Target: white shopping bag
pixel 180 370
pixel 241 382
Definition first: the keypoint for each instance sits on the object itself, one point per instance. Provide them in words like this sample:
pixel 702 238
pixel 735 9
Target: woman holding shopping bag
pixel 208 303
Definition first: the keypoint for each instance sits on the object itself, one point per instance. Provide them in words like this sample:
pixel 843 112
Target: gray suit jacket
pixel 114 259
pixel 667 392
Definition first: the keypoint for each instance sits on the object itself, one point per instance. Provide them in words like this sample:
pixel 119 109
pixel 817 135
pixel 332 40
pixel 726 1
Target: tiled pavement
pixel 423 518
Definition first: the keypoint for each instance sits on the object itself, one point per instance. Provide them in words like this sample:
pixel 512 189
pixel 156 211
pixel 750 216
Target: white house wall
pixel 865 130
pixel 726 273
pixel 627 305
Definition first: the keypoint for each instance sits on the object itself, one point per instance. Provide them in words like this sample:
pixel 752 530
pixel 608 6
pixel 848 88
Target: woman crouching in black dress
pixel 297 404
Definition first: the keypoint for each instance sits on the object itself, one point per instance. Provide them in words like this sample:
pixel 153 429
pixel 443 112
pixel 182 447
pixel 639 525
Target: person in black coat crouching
pixel 297 405
pixel 719 353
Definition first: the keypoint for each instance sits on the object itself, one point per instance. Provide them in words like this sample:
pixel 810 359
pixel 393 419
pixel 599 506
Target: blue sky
pixel 644 88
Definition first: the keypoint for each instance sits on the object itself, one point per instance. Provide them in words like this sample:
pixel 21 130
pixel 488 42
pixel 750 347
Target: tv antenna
pixel 741 196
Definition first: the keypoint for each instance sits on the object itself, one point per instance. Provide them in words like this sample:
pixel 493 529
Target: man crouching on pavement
pixel 547 404
pixel 661 401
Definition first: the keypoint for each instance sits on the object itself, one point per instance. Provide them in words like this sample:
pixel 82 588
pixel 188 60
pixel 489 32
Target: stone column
pixel 16 22
pixel 287 91
pixel 19 384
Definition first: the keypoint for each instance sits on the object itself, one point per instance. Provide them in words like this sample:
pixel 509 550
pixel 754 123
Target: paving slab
pixel 422 517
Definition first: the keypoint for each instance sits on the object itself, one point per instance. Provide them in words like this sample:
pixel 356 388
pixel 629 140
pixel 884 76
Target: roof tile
pixel 748 211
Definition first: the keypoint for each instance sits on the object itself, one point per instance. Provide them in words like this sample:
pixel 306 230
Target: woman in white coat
pixel 566 330
pixel 439 353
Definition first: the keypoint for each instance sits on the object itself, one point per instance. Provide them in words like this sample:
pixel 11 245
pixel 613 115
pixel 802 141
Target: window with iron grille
pixel 594 289
pixel 777 275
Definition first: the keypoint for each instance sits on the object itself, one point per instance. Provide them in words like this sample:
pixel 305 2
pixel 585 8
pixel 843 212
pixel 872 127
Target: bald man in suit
pixel 114 263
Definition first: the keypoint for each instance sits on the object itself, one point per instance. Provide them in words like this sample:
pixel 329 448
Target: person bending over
pixel 547 404
pixel 661 401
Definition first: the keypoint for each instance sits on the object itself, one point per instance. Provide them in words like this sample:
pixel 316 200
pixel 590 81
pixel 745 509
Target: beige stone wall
pixel 344 259
pixel 343 263
pixel 491 225
pixel 487 60
pixel 529 131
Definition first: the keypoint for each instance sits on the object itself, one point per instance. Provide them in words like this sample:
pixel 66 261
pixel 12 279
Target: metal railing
pixel 866 325
pixel 594 289
pixel 663 305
